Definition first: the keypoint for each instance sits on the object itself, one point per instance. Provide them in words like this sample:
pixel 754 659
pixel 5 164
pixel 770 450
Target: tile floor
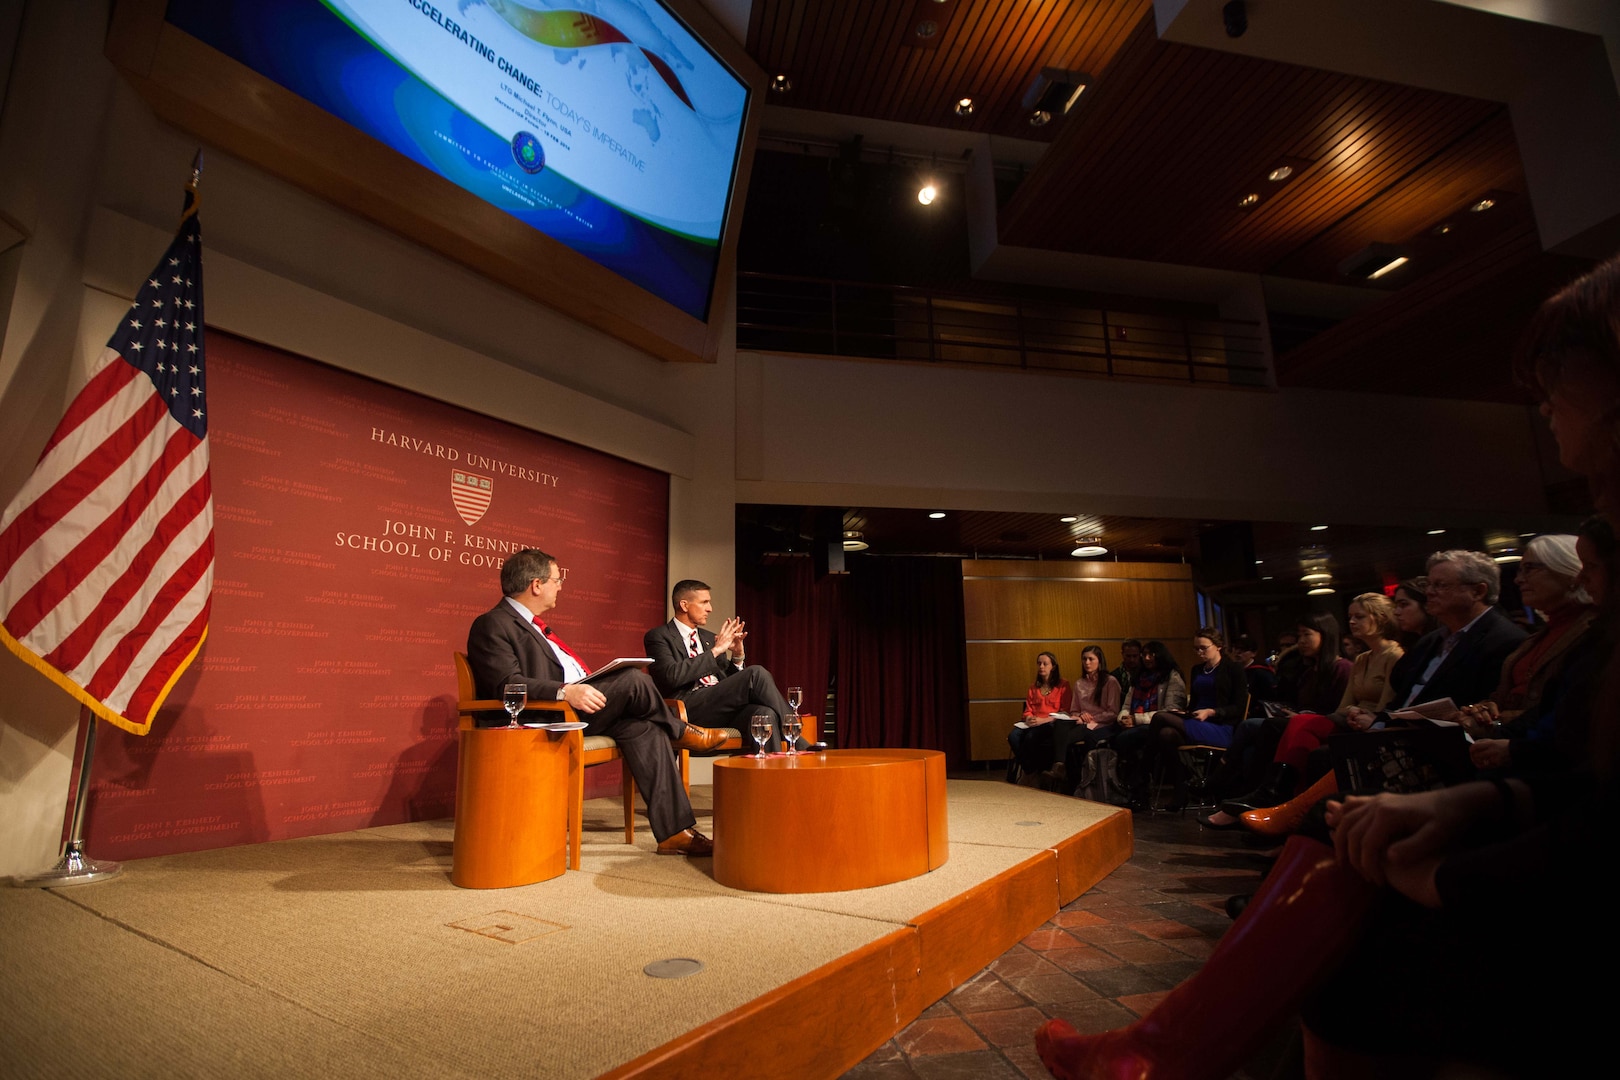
pixel 1102 961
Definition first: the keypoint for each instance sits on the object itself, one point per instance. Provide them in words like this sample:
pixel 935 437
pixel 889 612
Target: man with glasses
pixel 1462 660
pixel 512 643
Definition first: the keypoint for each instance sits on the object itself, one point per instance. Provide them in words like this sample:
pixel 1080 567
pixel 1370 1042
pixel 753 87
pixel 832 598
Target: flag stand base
pixel 73 868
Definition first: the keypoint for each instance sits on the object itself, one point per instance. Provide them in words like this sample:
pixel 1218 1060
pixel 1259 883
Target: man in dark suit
pixel 1462 660
pixel 707 670
pixel 511 643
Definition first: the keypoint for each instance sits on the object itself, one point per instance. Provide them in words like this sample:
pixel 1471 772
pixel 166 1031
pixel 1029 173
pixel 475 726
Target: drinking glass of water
pixel 514 696
pixel 791 726
pixel 795 697
pixel 759 725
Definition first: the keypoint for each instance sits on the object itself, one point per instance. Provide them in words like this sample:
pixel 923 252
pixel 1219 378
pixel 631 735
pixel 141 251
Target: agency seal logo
pixel 471 494
pixel 528 153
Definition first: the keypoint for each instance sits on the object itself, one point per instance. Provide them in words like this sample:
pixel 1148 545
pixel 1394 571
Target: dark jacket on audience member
pixel 1231 690
pixel 1472 670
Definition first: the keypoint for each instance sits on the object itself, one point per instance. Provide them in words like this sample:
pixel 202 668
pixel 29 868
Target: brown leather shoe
pixel 691 843
pixel 700 738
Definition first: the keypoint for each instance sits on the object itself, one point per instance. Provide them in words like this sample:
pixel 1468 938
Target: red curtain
pixel 791 620
pixel 886 639
pixel 901 656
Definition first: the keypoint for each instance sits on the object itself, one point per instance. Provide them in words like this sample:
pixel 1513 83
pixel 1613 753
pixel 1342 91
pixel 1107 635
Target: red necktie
pixel 557 641
pixel 692 651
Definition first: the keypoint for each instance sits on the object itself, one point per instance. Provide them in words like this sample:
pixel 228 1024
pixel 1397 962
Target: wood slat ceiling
pixel 1154 159
pixel 1154 165
pixel 852 56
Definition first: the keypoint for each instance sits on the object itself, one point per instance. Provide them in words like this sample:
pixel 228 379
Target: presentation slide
pixel 602 123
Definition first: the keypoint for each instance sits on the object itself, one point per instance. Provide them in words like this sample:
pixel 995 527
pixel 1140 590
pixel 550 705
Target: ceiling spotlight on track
pixel 927 193
pixel 1053 93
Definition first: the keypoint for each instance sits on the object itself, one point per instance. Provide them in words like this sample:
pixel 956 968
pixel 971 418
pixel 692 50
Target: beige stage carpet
pixel 352 954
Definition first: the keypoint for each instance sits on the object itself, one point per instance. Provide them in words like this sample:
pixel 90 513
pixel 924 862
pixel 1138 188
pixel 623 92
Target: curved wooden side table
pixel 511 807
pixel 841 819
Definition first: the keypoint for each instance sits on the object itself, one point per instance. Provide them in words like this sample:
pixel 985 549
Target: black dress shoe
pixel 1236 904
pixel 1203 819
pixel 1278 789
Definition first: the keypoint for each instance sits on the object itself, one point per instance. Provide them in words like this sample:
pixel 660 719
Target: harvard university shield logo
pixel 471 494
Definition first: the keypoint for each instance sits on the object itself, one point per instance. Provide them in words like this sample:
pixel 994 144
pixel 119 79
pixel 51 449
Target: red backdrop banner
pixel 360 529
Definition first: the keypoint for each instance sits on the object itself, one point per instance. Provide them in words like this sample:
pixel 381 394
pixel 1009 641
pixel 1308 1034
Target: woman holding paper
pixel 1031 740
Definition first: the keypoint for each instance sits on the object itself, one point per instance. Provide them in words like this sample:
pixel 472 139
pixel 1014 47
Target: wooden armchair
pixel 582 753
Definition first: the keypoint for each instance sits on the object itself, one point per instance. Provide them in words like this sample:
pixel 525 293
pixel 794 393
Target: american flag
pixel 107 553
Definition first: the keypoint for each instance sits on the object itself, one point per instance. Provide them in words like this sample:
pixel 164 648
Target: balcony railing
pixel 779 313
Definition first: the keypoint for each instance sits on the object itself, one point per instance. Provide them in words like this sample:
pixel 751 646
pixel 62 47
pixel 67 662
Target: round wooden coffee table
pixel 827 822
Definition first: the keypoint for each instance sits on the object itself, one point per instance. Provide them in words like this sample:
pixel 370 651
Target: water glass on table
pixel 514 696
pixel 795 697
pixel 791 726
pixel 759 726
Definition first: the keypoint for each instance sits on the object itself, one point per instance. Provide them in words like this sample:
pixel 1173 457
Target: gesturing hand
pixel 727 635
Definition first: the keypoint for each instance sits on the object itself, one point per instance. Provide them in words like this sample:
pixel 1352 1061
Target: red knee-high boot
pixel 1301 921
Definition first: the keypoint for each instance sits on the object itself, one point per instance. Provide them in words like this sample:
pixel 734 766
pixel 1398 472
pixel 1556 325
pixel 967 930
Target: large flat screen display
pixel 603 124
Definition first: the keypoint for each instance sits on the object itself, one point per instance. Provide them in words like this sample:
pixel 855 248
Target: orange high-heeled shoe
pixel 1284 820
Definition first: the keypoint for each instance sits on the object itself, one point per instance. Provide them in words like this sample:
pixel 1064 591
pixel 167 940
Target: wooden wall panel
pixel 1015 610
pixel 1114 610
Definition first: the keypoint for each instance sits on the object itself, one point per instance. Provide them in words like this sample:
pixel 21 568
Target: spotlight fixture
pixel 937 514
pixel 1040 118
pixel 1318 528
pixel 1315 577
pixel 1280 173
pixel 1436 532
pixel 854 541
pixel 1249 201
pixel 781 84
pixel 1235 18
pixel 1443 229
pixel 964 106
pixel 1086 551
pixel 1054 92
pixel 1482 206
pixel 1373 262
pixel 1070 520
pixel 927 193
pixel 1320 591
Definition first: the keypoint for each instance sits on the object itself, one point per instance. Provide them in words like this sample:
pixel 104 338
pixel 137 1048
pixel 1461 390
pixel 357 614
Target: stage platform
pixel 352 954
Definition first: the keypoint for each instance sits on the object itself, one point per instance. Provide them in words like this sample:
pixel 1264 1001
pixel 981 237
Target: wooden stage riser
pixel 825 1022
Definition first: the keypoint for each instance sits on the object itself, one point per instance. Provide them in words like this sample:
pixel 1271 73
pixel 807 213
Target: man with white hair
pixel 1462 660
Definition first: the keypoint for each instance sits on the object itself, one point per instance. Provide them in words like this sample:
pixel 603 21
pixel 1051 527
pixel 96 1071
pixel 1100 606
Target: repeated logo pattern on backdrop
pixel 346 575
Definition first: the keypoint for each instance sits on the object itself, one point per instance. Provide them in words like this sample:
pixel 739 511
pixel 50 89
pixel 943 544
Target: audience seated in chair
pixel 1427 931
pixel 1031 746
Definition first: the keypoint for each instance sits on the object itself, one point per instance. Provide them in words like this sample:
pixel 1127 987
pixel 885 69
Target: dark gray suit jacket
pixel 504 648
pixel 676 673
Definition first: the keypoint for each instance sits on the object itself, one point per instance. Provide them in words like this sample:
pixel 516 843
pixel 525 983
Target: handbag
pixel 1099 776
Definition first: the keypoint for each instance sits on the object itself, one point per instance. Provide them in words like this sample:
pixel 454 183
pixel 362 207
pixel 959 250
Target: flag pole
pixel 75 867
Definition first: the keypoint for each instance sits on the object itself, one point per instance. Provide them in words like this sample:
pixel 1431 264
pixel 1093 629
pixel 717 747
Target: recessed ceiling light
pixel 1314 576
pixel 1249 200
pixel 1088 550
pixel 1280 173
pixel 927 194
pixel 1259 562
pixel 781 84
pixel 1436 532
pixel 1266 578
pixel 964 106
pixel 1320 591
pixel 1482 206
pixel 1443 229
pixel 937 514
pixel 1506 556
pixel 1318 528
pixel 1070 520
